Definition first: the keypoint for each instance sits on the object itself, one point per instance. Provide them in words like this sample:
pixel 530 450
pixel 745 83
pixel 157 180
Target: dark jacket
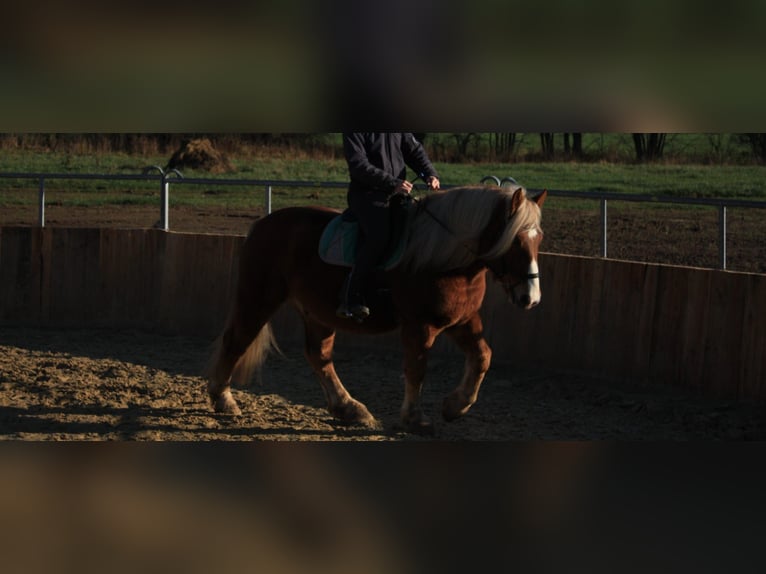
pixel 378 161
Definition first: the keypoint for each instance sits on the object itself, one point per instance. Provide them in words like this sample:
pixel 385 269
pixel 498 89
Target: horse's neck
pixel 441 243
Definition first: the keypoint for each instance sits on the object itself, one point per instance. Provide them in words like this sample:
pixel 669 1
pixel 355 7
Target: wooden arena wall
pixel 698 328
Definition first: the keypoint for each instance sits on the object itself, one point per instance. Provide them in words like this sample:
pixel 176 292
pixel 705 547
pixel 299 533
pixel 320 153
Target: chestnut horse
pixel 439 285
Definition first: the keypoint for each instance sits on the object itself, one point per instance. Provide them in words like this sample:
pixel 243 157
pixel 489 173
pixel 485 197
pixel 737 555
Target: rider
pixel 377 165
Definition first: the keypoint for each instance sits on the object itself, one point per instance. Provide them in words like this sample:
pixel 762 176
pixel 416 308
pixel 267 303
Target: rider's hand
pixel 432 182
pixel 404 187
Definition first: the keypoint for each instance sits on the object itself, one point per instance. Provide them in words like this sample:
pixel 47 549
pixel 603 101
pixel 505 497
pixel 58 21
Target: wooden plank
pixel 694 331
pixel 670 298
pixel 620 312
pixel 594 335
pixel 115 264
pixel 725 327
pixel 642 349
pixel 752 352
pixel 42 251
pixel 74 274
pixel 562 313
pixel 205 262
pixel 15 248
pixel 128 263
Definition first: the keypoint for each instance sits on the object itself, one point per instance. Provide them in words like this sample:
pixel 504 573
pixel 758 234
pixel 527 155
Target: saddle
pixel 339 240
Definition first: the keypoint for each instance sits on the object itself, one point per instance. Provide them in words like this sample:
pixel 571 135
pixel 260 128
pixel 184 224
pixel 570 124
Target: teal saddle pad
pixel 337 245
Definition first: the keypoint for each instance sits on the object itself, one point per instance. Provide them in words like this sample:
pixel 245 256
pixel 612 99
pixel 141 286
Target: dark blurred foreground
pixel 542 507
pixel 291 65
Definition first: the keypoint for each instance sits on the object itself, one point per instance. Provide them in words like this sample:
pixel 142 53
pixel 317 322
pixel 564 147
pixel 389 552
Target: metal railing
pixel 164 178
pixel 156 173
pixel 603 197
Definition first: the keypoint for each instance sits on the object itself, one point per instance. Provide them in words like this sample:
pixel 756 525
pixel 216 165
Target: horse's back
pixel 291 217
pixel 286 240
pixel 291 226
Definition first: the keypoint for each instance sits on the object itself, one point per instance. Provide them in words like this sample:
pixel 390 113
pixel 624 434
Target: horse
pixel 455 237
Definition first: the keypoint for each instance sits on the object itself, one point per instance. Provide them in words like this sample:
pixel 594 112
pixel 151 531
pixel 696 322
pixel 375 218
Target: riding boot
pixel 352 305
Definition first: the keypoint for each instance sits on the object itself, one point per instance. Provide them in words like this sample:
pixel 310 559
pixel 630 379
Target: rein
pixel 421 206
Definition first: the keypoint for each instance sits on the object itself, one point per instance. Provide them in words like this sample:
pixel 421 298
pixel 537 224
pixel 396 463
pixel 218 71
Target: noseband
pixel 499 268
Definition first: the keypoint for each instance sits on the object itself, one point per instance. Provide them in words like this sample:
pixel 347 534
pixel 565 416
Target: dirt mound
pixel 199 154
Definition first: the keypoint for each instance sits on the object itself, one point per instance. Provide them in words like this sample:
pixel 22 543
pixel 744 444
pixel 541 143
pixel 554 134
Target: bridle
pixel 500 268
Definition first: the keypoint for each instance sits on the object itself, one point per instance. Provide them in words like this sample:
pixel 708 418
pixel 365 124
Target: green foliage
pixel 596 147
pixel 445 147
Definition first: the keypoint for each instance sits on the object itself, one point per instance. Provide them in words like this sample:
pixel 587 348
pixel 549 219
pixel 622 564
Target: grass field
pixel 680 180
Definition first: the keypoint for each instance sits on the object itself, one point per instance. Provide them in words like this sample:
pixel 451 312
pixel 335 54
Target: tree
pixel 546 142
pixel 576 148
pixel 462 141
pixel 757 145
pixel 649 146
pixel 502 144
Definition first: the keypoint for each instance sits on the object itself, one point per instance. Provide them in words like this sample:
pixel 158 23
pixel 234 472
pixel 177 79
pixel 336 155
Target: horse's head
pixel 516 265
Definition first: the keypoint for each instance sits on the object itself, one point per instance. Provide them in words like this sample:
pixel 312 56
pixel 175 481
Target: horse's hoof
pixel 225 404
pixel 418 423
pixel 423 427
pixel 454 407
pixel 354 413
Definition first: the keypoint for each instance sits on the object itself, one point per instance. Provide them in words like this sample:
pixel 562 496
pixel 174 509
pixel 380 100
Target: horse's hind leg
pixel 243 345
pixel 318 350
pixel 470 339
pixel 232 346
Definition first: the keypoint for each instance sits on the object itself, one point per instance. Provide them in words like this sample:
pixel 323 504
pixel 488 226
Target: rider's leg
pixel 372 212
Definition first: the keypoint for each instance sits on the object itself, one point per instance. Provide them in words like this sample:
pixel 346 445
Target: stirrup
pixel 357 311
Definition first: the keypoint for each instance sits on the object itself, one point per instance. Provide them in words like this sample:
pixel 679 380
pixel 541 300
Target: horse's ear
pixel 517 199
pixel 540 199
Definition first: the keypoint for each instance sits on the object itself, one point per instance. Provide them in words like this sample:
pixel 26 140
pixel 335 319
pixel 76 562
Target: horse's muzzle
pixel 526 295
pixel 524 301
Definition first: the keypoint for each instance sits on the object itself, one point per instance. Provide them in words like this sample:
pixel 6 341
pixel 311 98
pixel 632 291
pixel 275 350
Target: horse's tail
pixel 253 358
pixel 248 364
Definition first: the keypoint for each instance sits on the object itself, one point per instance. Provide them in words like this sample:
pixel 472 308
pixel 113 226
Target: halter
pixel 501 271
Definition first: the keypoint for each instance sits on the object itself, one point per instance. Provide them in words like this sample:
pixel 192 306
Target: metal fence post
pixel 604 249
pixel 164 222
pixel 722 236
pixel 41 203
pixel 268 199
pixel 164 203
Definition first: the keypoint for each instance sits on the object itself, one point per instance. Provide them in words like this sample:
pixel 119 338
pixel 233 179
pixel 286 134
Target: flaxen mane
pixel 445 235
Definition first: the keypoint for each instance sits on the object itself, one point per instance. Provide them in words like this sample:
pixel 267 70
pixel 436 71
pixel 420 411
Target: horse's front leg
pixel 469 337
pixel 417 340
